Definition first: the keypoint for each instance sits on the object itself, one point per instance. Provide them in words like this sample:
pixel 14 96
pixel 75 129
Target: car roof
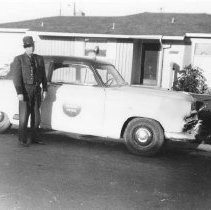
pixel 76 59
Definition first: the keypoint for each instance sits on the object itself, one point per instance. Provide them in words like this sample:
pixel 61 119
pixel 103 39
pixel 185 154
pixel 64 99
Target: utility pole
pixel 74 10
pixel 60 8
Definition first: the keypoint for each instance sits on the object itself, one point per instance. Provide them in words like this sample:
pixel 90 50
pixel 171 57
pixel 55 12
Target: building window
pixel 203 49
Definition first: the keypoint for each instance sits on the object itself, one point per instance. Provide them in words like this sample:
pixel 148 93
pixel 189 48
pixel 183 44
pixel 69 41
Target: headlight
pixel 197 105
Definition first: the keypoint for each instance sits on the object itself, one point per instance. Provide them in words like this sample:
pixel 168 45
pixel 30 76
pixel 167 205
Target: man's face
pixel 29 49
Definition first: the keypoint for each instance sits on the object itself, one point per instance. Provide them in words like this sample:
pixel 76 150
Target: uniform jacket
pixel 22 72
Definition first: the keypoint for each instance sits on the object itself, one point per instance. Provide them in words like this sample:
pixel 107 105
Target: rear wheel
pixel 4 122
pixel 144 136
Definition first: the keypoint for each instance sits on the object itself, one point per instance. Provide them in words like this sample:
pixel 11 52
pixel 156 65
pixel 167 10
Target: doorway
pixel 149 64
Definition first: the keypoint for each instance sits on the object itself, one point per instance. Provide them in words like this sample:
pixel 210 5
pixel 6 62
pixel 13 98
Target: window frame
pixel 86 65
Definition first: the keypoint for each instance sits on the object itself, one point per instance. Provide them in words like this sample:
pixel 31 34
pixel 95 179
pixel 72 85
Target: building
pixel 147 48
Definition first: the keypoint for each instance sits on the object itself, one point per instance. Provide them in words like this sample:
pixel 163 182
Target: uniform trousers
pixel 30 106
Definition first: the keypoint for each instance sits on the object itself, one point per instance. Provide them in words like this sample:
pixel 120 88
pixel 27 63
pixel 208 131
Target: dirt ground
pixel 68 173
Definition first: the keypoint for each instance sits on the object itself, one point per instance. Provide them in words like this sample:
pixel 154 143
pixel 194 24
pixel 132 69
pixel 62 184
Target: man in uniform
pixel 28 78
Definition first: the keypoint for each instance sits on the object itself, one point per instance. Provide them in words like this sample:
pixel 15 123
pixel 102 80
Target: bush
pixel 192 80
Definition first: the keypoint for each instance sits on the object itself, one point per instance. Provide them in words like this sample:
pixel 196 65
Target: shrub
pixel 191 79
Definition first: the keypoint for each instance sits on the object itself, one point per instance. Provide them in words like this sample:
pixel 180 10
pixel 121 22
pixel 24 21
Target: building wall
pixel 123 59
pixel 118 52
pixel 177 56
pixel 124 54
pixel 11 45
pixel 46 45
pixel 201 56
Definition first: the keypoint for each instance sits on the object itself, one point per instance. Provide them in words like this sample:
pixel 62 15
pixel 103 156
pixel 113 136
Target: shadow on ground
pixel 61 140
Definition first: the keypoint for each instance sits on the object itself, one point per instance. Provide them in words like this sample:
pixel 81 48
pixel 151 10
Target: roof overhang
pixel 180 38
pixel 198 35
pixel 118 36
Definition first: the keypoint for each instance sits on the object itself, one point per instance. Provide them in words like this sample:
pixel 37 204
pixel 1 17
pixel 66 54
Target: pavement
pixel 89 174
pixel 200 149
pixel 204 147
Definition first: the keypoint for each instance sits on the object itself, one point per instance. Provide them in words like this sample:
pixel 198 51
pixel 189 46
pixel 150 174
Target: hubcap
pixel 143 135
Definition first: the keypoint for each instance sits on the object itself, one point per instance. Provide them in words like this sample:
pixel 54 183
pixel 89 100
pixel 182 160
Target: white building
pixel 144 47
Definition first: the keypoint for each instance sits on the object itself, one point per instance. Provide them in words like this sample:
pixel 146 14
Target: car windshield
pixel 109 76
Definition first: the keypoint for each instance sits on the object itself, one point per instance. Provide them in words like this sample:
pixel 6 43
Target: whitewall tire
pixel 144 136
pixel 4 122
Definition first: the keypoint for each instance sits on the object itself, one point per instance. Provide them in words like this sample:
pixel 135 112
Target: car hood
pixel 152 92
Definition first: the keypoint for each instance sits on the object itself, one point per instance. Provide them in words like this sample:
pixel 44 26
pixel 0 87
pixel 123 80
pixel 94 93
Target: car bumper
pixel 193 131
pixel 180 136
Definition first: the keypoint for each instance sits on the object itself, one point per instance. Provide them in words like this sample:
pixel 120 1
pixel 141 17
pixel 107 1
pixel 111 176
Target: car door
pixel 75 100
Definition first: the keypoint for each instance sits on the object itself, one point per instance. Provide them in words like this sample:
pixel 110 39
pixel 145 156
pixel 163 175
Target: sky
pixel 17 10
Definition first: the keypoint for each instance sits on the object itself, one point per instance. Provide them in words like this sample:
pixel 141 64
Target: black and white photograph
pixel 105 104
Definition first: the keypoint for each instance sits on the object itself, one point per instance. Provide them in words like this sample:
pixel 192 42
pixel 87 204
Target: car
pixel 90 97
pixel 4 69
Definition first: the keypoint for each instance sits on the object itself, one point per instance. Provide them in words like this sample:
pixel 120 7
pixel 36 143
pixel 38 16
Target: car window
pixel 109 75
pixel 73 73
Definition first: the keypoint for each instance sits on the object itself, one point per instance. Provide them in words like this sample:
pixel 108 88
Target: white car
pixel 4 69
pixel 89 97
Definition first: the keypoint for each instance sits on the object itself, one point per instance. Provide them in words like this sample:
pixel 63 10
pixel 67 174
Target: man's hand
pixel 44 95
pixel 20 97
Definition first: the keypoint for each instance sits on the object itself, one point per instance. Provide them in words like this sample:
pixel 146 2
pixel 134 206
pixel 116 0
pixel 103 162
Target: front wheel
pixel 144 136
pixel 4 122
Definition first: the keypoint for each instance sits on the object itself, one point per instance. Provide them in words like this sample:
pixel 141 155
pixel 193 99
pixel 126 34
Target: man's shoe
pixel 37 141
pixel 24 144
